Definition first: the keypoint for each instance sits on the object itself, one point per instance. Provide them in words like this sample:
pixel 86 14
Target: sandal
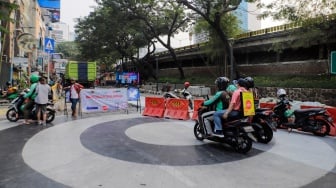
pixel 26 123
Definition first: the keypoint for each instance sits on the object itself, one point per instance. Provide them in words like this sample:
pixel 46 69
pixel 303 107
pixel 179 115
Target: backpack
pixel 225 98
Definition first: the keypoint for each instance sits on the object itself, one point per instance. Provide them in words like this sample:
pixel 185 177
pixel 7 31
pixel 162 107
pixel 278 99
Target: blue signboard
pixel 49 45
pixel 133 94
pixel 54 4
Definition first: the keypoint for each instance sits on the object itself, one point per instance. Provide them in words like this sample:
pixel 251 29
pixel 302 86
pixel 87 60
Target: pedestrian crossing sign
pixel 49 45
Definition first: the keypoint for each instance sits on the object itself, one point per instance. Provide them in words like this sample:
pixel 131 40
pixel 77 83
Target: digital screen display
pixel 127 77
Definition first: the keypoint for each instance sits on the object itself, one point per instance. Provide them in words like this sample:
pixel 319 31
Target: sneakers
pixel 218 133
pixel 42 123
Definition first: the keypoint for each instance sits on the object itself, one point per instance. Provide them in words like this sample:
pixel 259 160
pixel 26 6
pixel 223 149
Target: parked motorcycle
pixel 237 132
pixel 15 110
pixel 185 94
pixel 9 95
pixel 263 125
pixel 314 120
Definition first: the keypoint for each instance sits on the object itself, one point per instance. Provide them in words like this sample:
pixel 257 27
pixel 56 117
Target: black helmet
pixel 222 83
pixel 250 82
pixel 8 83
pixel 242 82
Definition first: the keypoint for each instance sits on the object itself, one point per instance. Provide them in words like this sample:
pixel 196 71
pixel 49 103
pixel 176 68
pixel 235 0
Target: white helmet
pixel 281 92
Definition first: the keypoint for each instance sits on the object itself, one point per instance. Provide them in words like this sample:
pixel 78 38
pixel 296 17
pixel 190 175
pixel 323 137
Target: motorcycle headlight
pixel 330 119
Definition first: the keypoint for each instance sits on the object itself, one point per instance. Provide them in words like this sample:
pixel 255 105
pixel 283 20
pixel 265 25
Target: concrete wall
pixel 324 96
pixel 304 68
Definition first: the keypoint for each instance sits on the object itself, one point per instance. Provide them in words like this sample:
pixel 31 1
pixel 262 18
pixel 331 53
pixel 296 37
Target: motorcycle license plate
pixel 248 129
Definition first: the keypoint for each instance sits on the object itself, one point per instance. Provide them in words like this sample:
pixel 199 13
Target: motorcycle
pixel 9 96
pixel 314 120
pixel 15 110
pixel 263 125
pixel 185 94
pixel 237 132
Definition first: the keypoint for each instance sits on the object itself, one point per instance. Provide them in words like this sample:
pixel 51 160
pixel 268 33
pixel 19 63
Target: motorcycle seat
pixel 308 110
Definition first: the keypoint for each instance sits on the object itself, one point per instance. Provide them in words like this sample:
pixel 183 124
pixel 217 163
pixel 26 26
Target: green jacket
pixel 32 92
pixel 216 100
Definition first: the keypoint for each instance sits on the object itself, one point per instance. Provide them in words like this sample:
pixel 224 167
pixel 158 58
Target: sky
pixel 71 9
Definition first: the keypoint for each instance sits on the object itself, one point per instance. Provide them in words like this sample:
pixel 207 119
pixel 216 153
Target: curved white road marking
pixel 58 154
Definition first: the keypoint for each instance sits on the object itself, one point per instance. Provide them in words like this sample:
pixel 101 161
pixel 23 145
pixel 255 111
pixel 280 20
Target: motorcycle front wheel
pixel 263 133
pixel 12 115
pixel 323 128
pixel 198 131
pixel 50 115
pixel 243 144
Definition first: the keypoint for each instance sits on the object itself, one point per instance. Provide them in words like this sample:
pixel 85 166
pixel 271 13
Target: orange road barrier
pixel 332 111
pixel 267 105
pixel 177 109
pixel 154 106
pixel 197 104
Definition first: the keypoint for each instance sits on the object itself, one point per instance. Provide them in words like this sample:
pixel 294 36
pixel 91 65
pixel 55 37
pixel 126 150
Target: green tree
pixel 158 19
pixel 69 49
pixel 108 35
pixel 6 10
pixel 313 22
pixel 213 12
pixel 311 16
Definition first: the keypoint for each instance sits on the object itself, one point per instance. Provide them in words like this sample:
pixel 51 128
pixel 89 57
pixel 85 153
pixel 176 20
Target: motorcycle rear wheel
pixel 198 132
pixel 12 116
pixel 244 144
pixel 264 134
pixel 324 128
pixel 50 116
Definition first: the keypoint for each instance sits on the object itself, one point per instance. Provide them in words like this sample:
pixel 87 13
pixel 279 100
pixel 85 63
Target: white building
pixel 60 32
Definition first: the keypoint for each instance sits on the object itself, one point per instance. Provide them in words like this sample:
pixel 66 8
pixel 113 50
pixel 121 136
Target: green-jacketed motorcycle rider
pixel 30 96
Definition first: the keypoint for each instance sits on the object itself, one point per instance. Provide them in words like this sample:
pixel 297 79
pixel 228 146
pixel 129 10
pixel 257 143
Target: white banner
pixel 103 100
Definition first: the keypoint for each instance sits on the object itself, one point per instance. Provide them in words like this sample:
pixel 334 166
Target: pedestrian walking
pixel 74 95
pixel 43 91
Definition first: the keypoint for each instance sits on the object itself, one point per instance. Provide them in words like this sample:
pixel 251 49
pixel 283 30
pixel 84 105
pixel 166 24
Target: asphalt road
pixel 122 149
pixel 125 149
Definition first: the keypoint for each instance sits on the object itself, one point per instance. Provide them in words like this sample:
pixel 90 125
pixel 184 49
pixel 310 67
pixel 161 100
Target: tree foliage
pixel 314 19
pixel 69 50
pixel 118 28
pixel 218 15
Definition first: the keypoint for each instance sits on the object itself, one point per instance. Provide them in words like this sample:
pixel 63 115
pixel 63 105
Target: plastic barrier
pixel 177 109
pixel 197 105
pixel 332 111
pixel 154 106
pixel 266 105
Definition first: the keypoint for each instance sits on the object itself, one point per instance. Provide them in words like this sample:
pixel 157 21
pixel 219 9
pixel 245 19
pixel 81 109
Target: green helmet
pixel 34 78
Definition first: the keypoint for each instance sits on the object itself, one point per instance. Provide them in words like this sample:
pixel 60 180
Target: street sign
pixel 49 45
pixel 333 62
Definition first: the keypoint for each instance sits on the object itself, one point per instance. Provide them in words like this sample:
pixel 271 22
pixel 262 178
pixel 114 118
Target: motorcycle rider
pixel 234 108
pixel 8 90
pixel 187 94
pixel 30 97
pixel 281 93
pixel 185 89
pixel 250 86
pixel 220 100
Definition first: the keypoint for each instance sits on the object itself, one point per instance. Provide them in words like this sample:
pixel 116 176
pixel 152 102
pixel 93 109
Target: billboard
pixel 53 7
pixel 52 4
pixel 127 77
